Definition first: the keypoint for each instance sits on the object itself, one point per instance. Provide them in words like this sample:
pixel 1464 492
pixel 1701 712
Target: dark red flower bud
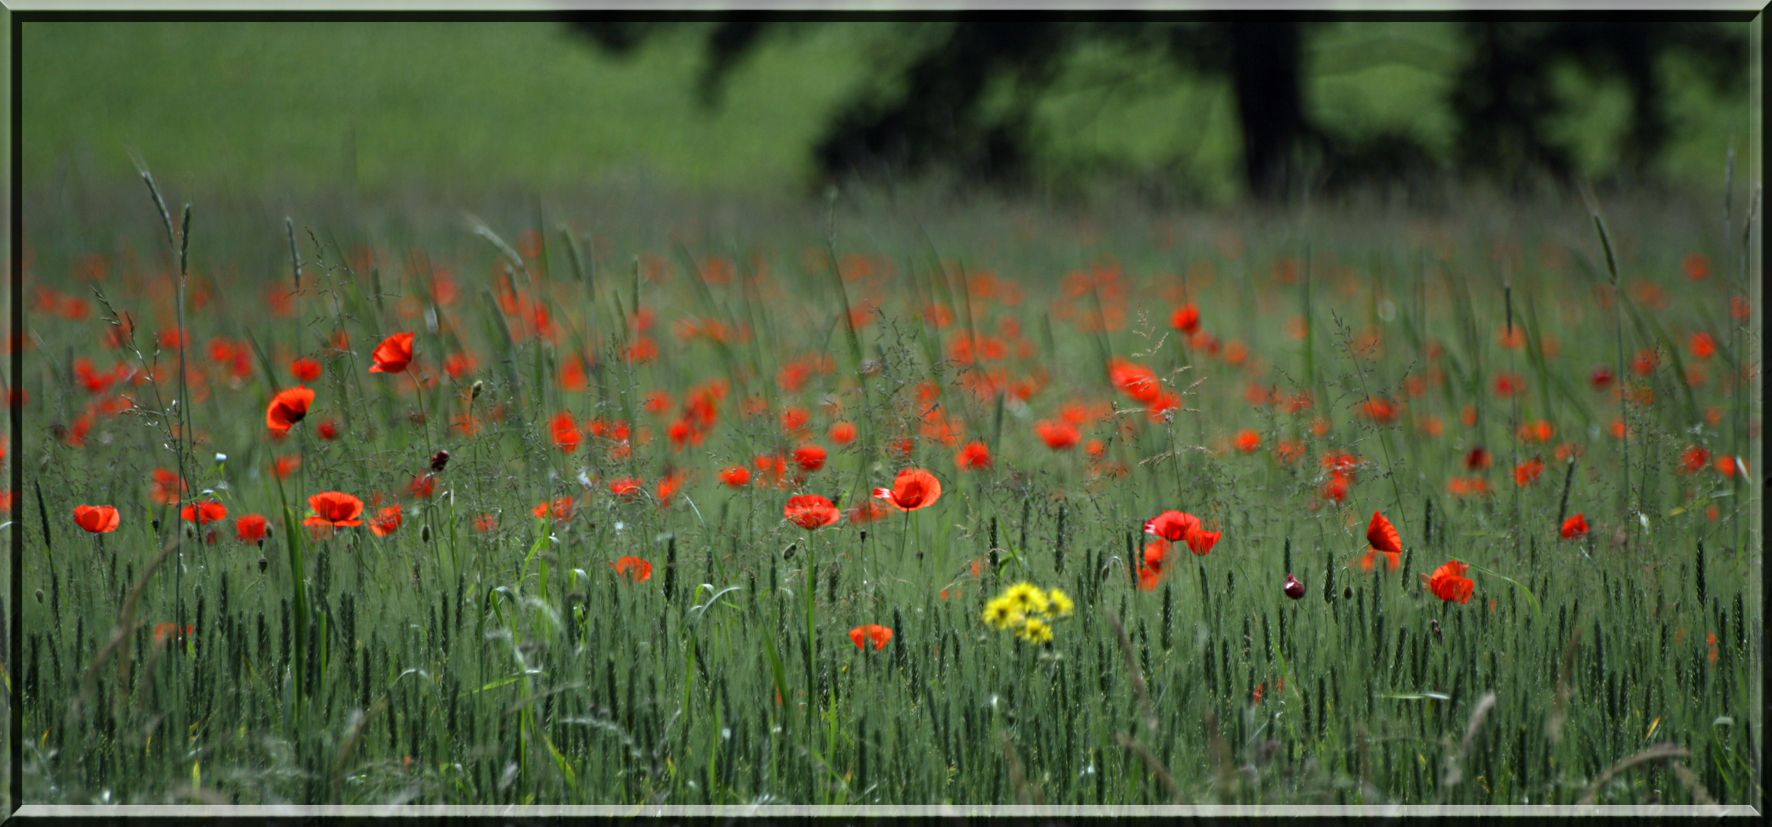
pixel 1294 589
pixel 438 461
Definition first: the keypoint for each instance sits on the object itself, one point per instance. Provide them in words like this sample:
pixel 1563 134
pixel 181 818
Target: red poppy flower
pixel 625 488
pixel 795 420
pixel 811 512
pixel 334 509
pixel 485 523
pixel 1380 411
pixel 1288 451
pixel 561 507
pixel 667 487
pixel 1057 433
pixel 872 632
pixel 1694 460
pixel 327 429
pixel 772 467
pixel 1696 266
pixel 1703 346
pixel 843 433
pixel 1136 381
pixel 1574 527
pixel 387 522
pixel 1383 536
pixel 1600 377
pixel 393 354
pixel 1477 459
pixel 736 476
pixel 1449 583
pixel 1153 564
pixel 1186 319
pixel 1507 384
pixel 912 489
pixel 565 434
pixel 1173 526
pixel 1527 472
pixel 657 402
pixel 634 569
pixel 1335 488
pixel 973 455
pixel 422 485
pixel 305 369
pixel 1201 541
pixel 249 528
pixel 96 519
pixel 1248 440
pixel 287 408
pixel 204 513
pixel 809 457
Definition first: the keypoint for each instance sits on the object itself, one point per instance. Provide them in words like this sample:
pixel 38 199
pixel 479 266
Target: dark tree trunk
pixel 1265 60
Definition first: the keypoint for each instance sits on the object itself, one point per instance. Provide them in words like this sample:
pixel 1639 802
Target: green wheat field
pixel 623 494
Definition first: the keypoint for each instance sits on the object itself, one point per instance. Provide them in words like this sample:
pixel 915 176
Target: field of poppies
pixel 888 502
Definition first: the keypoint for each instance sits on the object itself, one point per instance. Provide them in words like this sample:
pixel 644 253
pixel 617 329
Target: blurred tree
pixel 934 110
pixel 963 93
pixel 1505 102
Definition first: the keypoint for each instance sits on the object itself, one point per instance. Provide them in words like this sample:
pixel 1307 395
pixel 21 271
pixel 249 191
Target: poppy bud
pixel 39 595
pixel 263 564
pixel 864 535
pixel 1347 593
pixel 1294 589
pixel 788 554
pixel 438 460
pixel 424 534
pixel 155 523
pixel 476 392
pixel 261 542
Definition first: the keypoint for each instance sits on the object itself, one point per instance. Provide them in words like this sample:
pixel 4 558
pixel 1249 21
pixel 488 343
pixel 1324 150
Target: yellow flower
pixel 1061 604
pixel 1001 613
pixel 1026 597
pixel 1035 630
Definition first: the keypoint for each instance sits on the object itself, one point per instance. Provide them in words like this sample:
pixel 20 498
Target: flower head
pixel 811 512
pixel 96 519
pixel 871 632
pixel 334 509
pixel 387 522
pixel 1574 527
pixel 287 408
pixel 634 569
pixel 973 455
pixel 912 489
pixel 204 513
pixel 249 528
pixel 393 354
pixel 1383 536
pixel 1449 583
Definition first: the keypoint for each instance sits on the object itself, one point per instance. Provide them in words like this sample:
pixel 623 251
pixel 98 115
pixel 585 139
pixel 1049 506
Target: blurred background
pixel 1174 114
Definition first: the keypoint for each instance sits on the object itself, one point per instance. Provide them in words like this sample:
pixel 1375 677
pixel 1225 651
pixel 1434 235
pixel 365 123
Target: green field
pixel 616 299
pixel 467 659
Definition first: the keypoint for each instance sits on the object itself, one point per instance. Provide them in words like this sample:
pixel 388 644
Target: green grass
pixel 514 667
pixel 318 106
